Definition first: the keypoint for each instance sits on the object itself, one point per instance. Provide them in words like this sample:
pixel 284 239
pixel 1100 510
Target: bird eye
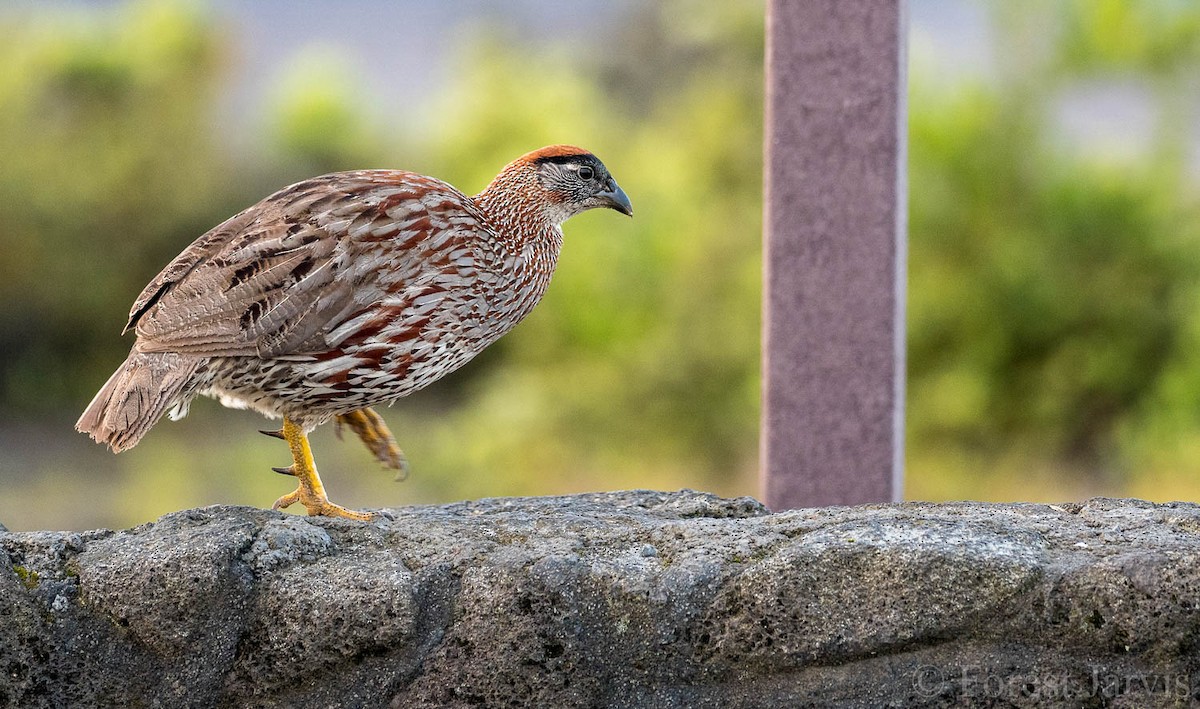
pixel 586 173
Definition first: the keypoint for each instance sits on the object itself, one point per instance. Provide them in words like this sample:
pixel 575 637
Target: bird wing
pixel 275 279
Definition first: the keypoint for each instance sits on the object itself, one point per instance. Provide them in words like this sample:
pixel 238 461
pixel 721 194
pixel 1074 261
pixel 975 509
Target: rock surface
pixel 631 599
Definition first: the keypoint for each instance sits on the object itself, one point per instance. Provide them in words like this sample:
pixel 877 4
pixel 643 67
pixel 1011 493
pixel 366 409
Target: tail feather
pixel 136 395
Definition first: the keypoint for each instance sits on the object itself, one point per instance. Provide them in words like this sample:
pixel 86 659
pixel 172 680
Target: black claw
pixel 274 434
pixel 285 471
pixel 401 471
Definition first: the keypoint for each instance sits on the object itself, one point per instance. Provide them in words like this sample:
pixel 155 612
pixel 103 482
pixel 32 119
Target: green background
pixel 1053 293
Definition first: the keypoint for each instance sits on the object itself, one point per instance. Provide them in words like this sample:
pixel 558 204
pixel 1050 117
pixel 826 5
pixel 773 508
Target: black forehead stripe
pixel 582 158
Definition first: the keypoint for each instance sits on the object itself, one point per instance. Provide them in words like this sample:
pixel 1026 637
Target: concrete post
pixel 834 252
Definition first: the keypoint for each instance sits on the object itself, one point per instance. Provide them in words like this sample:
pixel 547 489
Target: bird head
pixel 567 180
pixel 576 181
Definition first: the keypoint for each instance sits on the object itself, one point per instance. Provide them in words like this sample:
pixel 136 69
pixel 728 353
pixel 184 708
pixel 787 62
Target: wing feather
pixel 275 279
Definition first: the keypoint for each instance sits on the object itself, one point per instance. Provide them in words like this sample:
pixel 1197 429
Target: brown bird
pixel 344 292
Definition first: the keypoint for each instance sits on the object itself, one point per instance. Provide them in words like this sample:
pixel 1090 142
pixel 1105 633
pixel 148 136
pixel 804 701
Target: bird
pixel 342 293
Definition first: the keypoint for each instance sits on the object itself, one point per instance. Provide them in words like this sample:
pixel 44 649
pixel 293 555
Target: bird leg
pixel 370 427
pixel 310 492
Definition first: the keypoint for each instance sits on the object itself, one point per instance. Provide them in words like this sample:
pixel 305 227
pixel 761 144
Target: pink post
pixel 833 293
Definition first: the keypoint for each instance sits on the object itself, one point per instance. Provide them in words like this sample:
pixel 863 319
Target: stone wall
pixel 630 599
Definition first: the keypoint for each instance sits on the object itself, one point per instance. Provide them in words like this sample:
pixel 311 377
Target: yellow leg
pixel 370 427
pixel 310 492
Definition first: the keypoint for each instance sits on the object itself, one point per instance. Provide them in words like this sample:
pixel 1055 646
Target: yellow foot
pixel 371 429
pixel 310 492
pixel 319 506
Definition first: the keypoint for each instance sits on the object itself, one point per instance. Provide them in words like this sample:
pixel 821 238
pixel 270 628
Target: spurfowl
pixel 341 293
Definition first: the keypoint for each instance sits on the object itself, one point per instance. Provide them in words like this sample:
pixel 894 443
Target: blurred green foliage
pixel 1052 318
pixel 1054 291
pixel 106 169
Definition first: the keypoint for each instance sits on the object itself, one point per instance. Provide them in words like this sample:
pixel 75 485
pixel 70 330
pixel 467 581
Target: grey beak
pixel 615 198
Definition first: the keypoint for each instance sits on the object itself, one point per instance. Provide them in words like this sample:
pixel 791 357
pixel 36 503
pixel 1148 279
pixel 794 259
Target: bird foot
pixel 320 506
pixel 373 431
pixel 309 491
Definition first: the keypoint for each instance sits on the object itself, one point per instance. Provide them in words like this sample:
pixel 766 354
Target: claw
pixel 290 470
pixel 274 434
pixel 401 469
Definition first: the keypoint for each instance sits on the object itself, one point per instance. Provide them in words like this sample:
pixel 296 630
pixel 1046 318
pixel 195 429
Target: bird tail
pixel 136 395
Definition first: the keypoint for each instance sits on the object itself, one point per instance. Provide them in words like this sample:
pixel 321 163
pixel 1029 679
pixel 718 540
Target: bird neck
pixel 518 206
pixel 519 211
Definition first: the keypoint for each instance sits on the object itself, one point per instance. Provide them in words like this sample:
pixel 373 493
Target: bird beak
pixel 615 198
